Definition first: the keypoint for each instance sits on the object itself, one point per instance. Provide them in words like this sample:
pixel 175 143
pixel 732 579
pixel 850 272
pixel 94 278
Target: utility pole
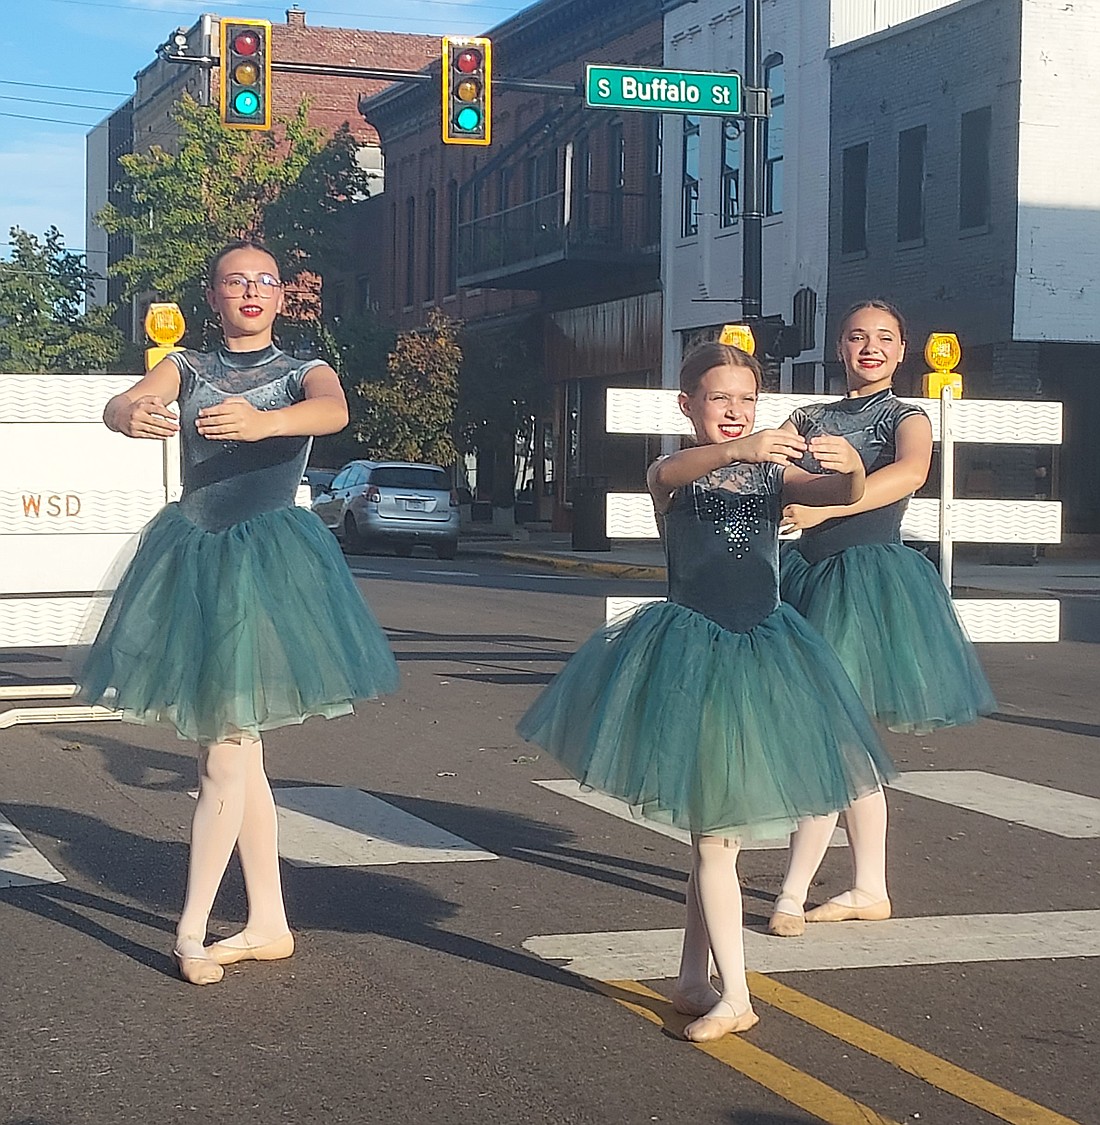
pixel 752 213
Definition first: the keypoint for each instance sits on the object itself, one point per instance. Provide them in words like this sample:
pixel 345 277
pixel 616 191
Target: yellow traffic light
pixel 245 65
pixel 165 326
pixel 942 352
pixel 467 90
pixel 738 336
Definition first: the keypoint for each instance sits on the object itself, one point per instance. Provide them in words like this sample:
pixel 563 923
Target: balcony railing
pixel 600 226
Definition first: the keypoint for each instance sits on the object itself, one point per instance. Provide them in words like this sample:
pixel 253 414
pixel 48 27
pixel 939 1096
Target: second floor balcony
pixel 557 240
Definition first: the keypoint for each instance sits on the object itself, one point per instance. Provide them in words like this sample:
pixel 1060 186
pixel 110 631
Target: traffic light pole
pixel 325 70
pixel 752 214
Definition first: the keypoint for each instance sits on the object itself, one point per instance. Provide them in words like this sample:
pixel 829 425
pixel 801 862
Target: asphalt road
pixel 415 994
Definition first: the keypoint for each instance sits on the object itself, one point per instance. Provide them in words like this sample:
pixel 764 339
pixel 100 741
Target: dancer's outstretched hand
pixel 146 417
pixel 779 446
pixel 801 517
pixel 233 419
pixel 834 453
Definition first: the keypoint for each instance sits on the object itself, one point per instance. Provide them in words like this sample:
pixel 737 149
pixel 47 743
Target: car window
pixel 341 479
pixel 410 476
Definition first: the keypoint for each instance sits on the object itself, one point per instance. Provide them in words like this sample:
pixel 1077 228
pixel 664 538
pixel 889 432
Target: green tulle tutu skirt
pixel 707 729
pixel 886 613
pixel 242 630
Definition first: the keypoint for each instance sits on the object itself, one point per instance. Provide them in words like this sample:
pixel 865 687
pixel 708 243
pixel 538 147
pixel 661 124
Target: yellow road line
pixel 790 1083
pixel 905 1056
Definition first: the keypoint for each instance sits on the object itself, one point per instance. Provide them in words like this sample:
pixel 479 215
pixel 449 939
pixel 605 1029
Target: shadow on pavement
pixel 142 883
pixel 1089 730
pixel 530 841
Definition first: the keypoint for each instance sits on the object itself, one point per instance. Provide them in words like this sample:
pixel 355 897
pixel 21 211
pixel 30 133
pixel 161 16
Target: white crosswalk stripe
pixel 21 863
pixel 336 826
pixel 1019 802
pixel 574 792
pixel 950 939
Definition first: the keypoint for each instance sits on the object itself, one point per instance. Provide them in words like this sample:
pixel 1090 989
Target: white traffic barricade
pixel 946 520
pixel 73 496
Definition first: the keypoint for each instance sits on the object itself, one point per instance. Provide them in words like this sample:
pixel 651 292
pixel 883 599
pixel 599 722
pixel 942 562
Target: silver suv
pixel 391 503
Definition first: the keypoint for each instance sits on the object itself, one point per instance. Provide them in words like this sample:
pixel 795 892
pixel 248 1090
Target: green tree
pixel 43 322
pixel 358 348
pixel 499 386
pixel 291 187
pixel 409 413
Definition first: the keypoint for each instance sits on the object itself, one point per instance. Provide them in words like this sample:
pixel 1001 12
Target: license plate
pixel 416 505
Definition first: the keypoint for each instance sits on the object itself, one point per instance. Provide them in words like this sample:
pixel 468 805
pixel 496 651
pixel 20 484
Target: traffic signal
pixel 467 90
pixel 776 339
pixel 246 74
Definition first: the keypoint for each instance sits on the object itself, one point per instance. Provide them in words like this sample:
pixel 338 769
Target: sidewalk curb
pixel 556 562
pixel 643 572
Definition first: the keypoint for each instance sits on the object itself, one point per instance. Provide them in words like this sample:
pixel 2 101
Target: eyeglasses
pixel 236 284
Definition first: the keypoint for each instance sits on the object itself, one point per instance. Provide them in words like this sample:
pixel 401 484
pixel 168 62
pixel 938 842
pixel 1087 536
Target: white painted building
pixel 963 146
pixel 701 230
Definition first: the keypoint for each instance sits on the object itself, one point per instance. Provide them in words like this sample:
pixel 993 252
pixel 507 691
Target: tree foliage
pixel 43 325
pixel 498 389
pixel 409 413
pixel 290 187
pixel 358 348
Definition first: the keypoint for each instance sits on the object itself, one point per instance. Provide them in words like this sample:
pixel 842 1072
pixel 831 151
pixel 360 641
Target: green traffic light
pixel 468 119
pixel 246 103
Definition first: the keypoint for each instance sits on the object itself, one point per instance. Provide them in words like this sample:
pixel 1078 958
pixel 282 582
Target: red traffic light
pixel 247 43
pixel 245 66
pixel 468 60
pixel 467 77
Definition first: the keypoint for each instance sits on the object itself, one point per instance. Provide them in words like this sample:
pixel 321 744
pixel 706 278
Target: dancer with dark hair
pixel 238 613
pixel 880 604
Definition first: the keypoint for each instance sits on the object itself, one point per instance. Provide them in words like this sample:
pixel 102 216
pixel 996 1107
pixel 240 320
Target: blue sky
pixel 96 46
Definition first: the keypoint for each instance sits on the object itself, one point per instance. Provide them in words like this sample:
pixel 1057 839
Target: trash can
pixel 590 514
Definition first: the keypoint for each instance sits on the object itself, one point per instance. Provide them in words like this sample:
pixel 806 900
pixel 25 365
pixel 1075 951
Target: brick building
pixel 145 118
pixel 959 189
pixel 550 235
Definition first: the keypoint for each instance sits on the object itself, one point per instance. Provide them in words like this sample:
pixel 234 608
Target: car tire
pixel 353 541
pixel 446 550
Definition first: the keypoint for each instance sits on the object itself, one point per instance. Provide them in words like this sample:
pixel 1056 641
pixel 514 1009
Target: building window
pixel 393 255
pixel 911 148
pixel 452 237
pixel 335 301
pixel 689 203
pixel 429 246
pixel 410 250
pixel 653 180
pixel 540 174
pixel 616 157
pixel 974 175
pixel 731 171
pixel 773 137
pixel 853 200
pixel 504 188
pixel 616 178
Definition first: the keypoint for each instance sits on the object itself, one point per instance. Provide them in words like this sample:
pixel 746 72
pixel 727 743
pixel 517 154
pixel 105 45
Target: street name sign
pixel 664 91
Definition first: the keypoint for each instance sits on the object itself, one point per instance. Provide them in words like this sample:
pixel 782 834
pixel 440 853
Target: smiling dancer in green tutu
pixel 720 710
pixel 880 604
pixel 238 613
